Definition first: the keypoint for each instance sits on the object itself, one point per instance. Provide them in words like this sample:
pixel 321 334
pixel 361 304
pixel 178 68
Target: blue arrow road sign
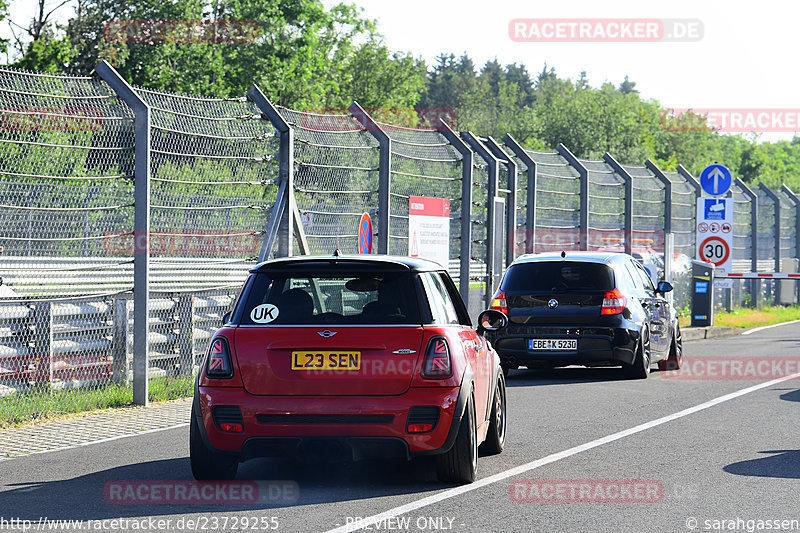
pixel 716 180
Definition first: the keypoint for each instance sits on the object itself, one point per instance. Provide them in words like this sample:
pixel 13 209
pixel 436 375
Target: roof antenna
pixel 563 254
pixel 336 253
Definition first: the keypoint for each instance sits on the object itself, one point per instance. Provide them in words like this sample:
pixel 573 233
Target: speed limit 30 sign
pixel 715 250
pixel 714 232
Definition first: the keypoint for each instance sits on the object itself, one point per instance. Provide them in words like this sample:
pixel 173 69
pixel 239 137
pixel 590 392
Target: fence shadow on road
pixel 82 498
pixel 777 463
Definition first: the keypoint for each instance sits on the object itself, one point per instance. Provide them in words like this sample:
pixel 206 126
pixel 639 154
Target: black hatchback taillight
pixel 437 364
pixel 219 359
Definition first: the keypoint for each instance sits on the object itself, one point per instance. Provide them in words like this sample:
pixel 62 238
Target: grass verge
pixel 45 403
pixel 751 318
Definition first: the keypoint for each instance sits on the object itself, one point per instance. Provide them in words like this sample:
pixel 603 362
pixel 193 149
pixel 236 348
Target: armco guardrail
pixel 86 342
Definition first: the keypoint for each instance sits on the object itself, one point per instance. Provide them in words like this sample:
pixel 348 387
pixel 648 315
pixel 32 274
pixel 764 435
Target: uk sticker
pixel 264 313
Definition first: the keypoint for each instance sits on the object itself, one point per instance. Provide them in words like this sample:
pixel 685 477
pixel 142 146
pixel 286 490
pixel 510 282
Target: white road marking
pixel 457 491
pixel 754 330
pixel 99 441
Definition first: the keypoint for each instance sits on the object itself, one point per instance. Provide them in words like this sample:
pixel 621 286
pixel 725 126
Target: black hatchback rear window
pixel 549 276
pixel 299 298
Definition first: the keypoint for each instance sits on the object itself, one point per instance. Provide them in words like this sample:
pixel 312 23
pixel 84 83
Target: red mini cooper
pixel 349 358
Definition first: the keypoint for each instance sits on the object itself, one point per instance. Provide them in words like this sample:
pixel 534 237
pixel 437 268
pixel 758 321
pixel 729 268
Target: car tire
pixel 208 465
pixel 496 436
pixel 675 359
pixel 640 368
pixel 460 463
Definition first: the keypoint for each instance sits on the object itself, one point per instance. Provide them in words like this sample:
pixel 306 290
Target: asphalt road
pixel 701 453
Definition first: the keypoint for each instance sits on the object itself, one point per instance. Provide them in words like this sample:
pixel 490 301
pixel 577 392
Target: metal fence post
pixel 44 339
pixel 584 206
pixel 491 194
pixel 186 313
pixel 530 207
pixel 698 192
pixel 465 255
pixel 667 194
pixel 608 158
pixel 384 173
pixel 141 229
pixel 755 285
pixel 796 201
pixel 283 212
pixel 511 208
pixel 120 365
pixel 776 202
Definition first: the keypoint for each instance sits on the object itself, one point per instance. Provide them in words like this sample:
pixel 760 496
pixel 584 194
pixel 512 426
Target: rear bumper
pixel 330 428
pixel 596 347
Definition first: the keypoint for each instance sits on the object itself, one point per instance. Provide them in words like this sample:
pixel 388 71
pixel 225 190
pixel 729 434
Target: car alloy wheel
pixel 496 435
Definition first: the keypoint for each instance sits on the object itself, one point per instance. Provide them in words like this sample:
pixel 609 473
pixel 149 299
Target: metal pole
pixel 384 173
pixel 281 220
pixel 491 193
pixel 141 229
pixel 776 202
pixel 608 158
pixel 511 206
pixel 796 201
pixel 530 207
pixel 755 286
pixel 465 254
pixel 584 207
pixel 667 194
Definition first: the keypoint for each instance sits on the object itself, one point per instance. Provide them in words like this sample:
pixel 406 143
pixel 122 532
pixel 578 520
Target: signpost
pixel 716 180
pixel 365 235
pixel 715 219
pixel 429 229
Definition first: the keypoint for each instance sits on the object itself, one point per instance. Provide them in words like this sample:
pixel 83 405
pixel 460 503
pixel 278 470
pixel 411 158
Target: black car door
pixel 659 314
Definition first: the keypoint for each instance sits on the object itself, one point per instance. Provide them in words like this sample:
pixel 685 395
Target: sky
pixel 743 60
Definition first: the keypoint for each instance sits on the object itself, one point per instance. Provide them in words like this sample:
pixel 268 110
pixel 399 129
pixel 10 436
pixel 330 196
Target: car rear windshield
pixel 553 276
pixel 363 298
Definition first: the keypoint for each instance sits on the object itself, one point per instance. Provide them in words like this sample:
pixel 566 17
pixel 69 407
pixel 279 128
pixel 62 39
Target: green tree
pixel 627 86
pixel 377 77
pixel 3 17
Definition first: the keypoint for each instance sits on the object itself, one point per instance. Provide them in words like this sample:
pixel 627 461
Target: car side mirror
pixel 491 320
pixel 664 287
pixel 226 317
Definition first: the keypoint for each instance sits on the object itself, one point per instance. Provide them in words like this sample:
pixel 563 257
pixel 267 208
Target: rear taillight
pixel 499 302
pixel 437 364
pixel 613 303
pixel 219 359
pixel 228 418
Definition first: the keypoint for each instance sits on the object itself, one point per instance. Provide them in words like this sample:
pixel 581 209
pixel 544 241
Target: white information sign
pixel 715 232
pixel 429 229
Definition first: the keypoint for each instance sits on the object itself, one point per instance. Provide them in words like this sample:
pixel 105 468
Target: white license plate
pixel 552 344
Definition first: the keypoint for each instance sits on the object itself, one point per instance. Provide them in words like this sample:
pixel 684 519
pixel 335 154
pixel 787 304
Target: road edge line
pixel 552 458
pixel 761 328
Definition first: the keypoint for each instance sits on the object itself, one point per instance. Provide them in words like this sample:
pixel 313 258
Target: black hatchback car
pixel 585 308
